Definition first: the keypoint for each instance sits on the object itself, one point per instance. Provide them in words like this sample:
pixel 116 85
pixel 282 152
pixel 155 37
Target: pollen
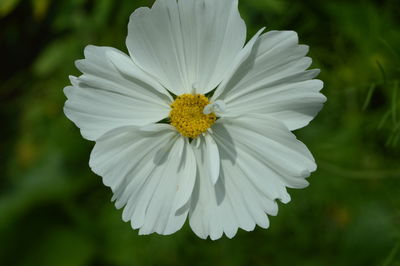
pixel 187 115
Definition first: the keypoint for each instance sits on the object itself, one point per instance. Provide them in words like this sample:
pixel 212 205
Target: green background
pixel 55 211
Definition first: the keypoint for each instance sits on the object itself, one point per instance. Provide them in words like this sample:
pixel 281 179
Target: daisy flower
pixel 194 122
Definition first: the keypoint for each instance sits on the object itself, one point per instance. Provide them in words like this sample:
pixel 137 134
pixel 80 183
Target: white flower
pixel 223 160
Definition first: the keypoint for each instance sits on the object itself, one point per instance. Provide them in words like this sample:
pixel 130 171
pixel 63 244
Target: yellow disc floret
pixel 187 115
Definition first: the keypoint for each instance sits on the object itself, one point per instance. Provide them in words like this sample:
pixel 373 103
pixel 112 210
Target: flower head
pixel 194 122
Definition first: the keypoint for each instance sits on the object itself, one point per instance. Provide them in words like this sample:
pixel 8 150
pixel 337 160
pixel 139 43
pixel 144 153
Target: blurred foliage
pixel 55 211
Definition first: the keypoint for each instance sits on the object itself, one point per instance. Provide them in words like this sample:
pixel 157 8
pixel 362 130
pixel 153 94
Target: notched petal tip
pixel 88 50
pixel 305 47
pixel 79 64
pixel 141 11
pixel 68 90
pixel 314 72
pixel 74 80
pixel 285 198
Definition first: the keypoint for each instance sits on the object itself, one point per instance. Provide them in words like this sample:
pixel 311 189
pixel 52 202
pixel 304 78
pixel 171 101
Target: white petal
pixel 188 177
pixel 241 57
pixel 260 157
pixel 272 144
pixel 232 203
pixel 212 156
pixel 126 66
pixel 273 80
pixel 186 44
pixel 151 173
pixel 103 99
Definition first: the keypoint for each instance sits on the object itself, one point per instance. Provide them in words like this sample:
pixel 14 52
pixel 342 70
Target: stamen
pixel 217 107
pixel 188 117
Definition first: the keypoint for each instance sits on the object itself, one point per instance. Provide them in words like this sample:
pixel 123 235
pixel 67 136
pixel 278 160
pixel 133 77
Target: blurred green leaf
pixel 369 95
pixel 392 255
pixel 61 247
pixel 40 8
pixel 395 102
pixel 56 55
pixel 102 11
pixel 7 6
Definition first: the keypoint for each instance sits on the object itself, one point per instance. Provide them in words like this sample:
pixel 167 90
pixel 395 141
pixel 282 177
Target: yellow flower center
pixel 187 115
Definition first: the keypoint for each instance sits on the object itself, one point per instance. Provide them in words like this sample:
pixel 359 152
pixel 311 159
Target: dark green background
pixel 55 211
